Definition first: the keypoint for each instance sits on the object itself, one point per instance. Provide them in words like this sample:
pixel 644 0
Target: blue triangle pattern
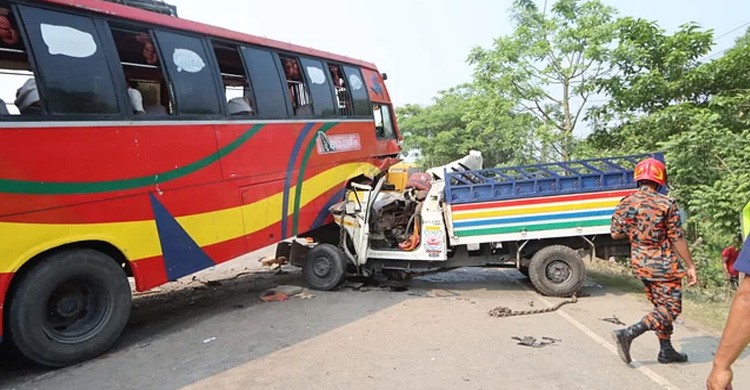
pixel 182 255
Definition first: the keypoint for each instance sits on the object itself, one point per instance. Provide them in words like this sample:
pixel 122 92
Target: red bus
pixel 138 144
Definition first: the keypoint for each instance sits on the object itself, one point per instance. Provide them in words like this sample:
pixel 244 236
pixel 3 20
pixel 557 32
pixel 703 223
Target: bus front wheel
pixel 70 307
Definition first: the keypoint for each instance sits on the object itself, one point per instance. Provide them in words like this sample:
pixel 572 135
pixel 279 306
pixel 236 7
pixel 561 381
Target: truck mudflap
pixel 4 285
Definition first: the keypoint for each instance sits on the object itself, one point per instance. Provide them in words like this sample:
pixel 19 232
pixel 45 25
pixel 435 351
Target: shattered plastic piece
pixel 526 340
pixel 529 341
pixel 208 340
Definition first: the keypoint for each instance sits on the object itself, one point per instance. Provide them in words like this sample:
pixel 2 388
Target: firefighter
pixel 651 222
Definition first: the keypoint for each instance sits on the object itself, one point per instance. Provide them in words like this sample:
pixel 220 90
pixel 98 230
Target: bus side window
pixel 343 98
pixel 190 74
pixel 72 62
pixel 15 70
pixel 271 98
pixel 237 88
pixel 300 98
pixel 144 75
pixel 320 88
pixel 383 122
pixel 358 89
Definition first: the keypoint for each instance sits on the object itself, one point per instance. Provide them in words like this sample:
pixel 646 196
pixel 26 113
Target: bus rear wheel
pixel 70 307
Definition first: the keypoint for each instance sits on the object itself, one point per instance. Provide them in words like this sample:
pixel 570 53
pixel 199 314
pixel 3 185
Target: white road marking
pixel 660 380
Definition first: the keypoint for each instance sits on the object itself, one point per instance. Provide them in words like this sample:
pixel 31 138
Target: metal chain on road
pixel 502 311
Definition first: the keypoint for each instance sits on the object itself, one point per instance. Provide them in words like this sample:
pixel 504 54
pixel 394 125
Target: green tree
pixel 465 118
pixel 664 98
pixel 550 65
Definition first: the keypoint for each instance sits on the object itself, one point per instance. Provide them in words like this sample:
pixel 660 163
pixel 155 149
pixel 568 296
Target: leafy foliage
pixel 550 65
pixel 533 88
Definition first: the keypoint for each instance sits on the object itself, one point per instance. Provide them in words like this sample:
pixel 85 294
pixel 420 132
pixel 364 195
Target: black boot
pixel 623 338
pixel 667 353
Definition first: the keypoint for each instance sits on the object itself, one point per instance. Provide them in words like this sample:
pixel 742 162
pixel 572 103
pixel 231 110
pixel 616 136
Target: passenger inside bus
pixel 143 71
pixel 27 98
pixel 240 106
pixel 301 103
pixel 136 100
pixel 342 94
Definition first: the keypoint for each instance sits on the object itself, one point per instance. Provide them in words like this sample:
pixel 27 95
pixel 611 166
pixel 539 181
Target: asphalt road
pixel 435 335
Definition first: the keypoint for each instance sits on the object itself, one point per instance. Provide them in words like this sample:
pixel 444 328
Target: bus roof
pixel 136 14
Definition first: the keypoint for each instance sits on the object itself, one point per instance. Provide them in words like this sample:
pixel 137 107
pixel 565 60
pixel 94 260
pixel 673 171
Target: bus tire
pixel 325 267
pixel 70 307
pixel 557 270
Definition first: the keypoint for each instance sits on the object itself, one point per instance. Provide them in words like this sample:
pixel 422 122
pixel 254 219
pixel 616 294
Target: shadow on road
pixel 200 329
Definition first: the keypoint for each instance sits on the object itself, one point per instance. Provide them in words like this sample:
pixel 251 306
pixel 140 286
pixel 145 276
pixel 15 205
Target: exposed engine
pixel 395 221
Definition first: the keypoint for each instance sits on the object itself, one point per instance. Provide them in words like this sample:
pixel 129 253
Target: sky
pixel 423 45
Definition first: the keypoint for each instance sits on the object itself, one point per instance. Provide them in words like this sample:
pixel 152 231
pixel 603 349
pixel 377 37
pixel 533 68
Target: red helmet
pixel 651 169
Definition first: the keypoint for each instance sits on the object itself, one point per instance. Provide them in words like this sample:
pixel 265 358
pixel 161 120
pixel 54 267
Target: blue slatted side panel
pixel 560 178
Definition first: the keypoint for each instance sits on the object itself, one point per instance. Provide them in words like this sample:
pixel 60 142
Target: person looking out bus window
pixel 27 98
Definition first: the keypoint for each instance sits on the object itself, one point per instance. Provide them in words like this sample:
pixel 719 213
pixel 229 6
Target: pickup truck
pixel 537 218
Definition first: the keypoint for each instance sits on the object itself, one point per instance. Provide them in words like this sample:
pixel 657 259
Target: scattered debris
pixel 288 290
pixel 305 295
pixel 531 303
pixel 353 285
pixel 613 320
pixel 212 283
pixel 208 340
pixel 238 306
pixel 273 296
pixel 436 294
pixel 273 263
pixel 529 341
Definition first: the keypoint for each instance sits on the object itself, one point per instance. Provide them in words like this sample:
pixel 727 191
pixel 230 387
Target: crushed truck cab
pixel 536 218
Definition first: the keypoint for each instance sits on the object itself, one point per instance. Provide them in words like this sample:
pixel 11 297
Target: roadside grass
pixel 707 307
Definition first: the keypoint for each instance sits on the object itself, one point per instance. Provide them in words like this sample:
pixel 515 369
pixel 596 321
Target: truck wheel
pixel 70 307
pixel 557 270
pixel 325 267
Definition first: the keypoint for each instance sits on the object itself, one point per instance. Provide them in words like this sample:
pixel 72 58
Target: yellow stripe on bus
pixel 140 239
pixel 536 209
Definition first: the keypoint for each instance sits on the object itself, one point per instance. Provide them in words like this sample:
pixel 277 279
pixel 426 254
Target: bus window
pixel 270 96
pixel 320 89
pixel 343 98
pixel 358 91
pixel 15 70
pixel 237 88
pixel 190 74
pixel 301 104
pixel 71 62
pixel 147 87
pixel 383 121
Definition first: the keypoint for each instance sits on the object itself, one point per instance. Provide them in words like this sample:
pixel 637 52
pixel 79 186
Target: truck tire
pixel 325 267
pixel 70 307
pixel 557 270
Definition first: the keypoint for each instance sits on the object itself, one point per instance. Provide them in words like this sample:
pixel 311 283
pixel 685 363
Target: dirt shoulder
pixel 707 308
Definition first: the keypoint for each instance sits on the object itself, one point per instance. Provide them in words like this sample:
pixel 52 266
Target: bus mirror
pixel 385 76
